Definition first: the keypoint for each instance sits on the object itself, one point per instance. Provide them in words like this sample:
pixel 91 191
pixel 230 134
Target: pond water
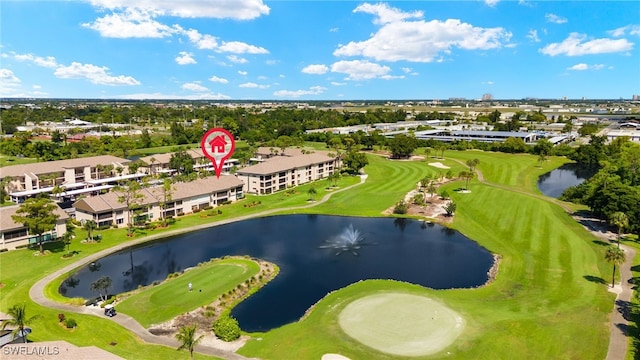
pixel 555 182
pixel 316 255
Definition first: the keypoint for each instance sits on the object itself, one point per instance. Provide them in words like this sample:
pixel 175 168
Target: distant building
pixel 487 97
pixel 635 97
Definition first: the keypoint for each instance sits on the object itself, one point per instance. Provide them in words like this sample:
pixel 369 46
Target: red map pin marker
pixel 218 145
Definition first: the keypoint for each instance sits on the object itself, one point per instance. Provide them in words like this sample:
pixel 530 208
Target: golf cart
pixel 109 310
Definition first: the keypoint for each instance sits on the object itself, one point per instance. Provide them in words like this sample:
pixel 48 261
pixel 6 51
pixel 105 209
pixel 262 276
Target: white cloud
pixel 335 83
pixel 194 86
pixel 159 96
pixel 9 82
pixel 385 14
pixel 219 9
pixel 251 85
pixel 316 69
pixel 335 29
pixel 553 18
pixel 218 80
pixel 419 41
pixel 203 42
pixel 95 74
pixel 575 45
pixel 132 23
pixel 314 90
pixel 237 47
pixel 48 62
pixel 621 31
pixel 491 3
pixel 533 35
pixel 243 73
pixel 525 3
pixel 185 58
pixel 237 59
pixel 209 42
pixel 360 69
pixel 583 66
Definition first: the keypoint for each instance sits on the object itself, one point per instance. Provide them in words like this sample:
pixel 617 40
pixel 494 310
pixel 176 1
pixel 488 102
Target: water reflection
pixel 305 249
pixel 555 182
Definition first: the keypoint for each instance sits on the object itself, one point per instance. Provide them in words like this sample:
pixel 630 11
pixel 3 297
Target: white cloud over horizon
pixel 575 45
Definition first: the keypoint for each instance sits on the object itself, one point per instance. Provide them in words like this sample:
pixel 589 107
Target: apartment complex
pixel 108 210
pixel 13 234
pixel 279 172
pixel 74 176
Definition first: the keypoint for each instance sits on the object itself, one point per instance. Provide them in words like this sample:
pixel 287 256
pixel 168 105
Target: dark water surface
pixel 314 255
pixel 555 182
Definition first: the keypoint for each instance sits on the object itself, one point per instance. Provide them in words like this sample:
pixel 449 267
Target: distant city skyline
pixel 319 50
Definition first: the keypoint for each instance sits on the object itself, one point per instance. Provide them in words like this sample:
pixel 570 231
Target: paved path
pixel 619 337
pixel 37 290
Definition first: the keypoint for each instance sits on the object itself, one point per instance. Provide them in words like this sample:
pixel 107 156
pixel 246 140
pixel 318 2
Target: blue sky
pixel 319 50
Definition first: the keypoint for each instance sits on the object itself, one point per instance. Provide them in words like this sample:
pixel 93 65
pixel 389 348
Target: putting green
pixel 401 324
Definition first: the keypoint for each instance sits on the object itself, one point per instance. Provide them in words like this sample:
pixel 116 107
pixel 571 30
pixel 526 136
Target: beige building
pixel 13 234
pixel 159 163
pixel 278 172
pixel 72 175
pixel 186 197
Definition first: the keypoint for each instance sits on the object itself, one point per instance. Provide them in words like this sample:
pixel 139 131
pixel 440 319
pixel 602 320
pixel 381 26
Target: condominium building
pixel 73 176
pixel 108 210
pixel 13 234
pixel 280 172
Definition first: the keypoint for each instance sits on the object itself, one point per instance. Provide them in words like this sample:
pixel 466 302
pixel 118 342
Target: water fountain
pixel 349 240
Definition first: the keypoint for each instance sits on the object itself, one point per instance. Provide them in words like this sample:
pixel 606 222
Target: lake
pixel 316 255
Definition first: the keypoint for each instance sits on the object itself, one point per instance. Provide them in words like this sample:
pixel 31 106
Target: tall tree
pixel 619 220
pixel 19 320
pixel 187 337
pixel 131 197
pixel 615 256
pixel 37 215
pixel 89 225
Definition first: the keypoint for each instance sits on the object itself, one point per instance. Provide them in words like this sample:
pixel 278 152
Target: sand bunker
pixel 439 165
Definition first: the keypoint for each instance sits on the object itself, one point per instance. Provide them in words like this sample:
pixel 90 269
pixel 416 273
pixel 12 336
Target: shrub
pixel 61 317
pixel 400 208
pixel 111 300
pixel 70 323
pixel 226 328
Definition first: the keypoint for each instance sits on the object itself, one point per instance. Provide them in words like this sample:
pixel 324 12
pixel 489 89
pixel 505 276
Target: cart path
pixel 618 340
pixel 37 290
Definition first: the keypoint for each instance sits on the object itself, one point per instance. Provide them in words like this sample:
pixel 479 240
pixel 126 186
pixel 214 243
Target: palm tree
pixel 187 337
pixel 19 319
pixel 102 286
pixel 616 256
pixel 621 221
pixel 312 193
pixel 89 225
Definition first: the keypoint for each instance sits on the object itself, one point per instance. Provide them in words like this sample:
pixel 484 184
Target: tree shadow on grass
pixel 596 279
pixel 602 243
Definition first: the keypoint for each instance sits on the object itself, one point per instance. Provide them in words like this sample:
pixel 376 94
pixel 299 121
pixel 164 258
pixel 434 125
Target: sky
pixel 319 50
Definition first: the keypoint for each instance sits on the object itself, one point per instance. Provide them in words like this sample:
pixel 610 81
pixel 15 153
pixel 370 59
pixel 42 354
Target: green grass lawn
pixel 548 301
pixel 6 160
pixel 172 298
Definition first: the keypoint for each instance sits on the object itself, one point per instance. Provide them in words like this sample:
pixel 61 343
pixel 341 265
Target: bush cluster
pixel 226 328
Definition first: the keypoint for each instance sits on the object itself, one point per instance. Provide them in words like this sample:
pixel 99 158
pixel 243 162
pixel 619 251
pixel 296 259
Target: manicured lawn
pixel 549 300
pixel 172 298
pixel 13 160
